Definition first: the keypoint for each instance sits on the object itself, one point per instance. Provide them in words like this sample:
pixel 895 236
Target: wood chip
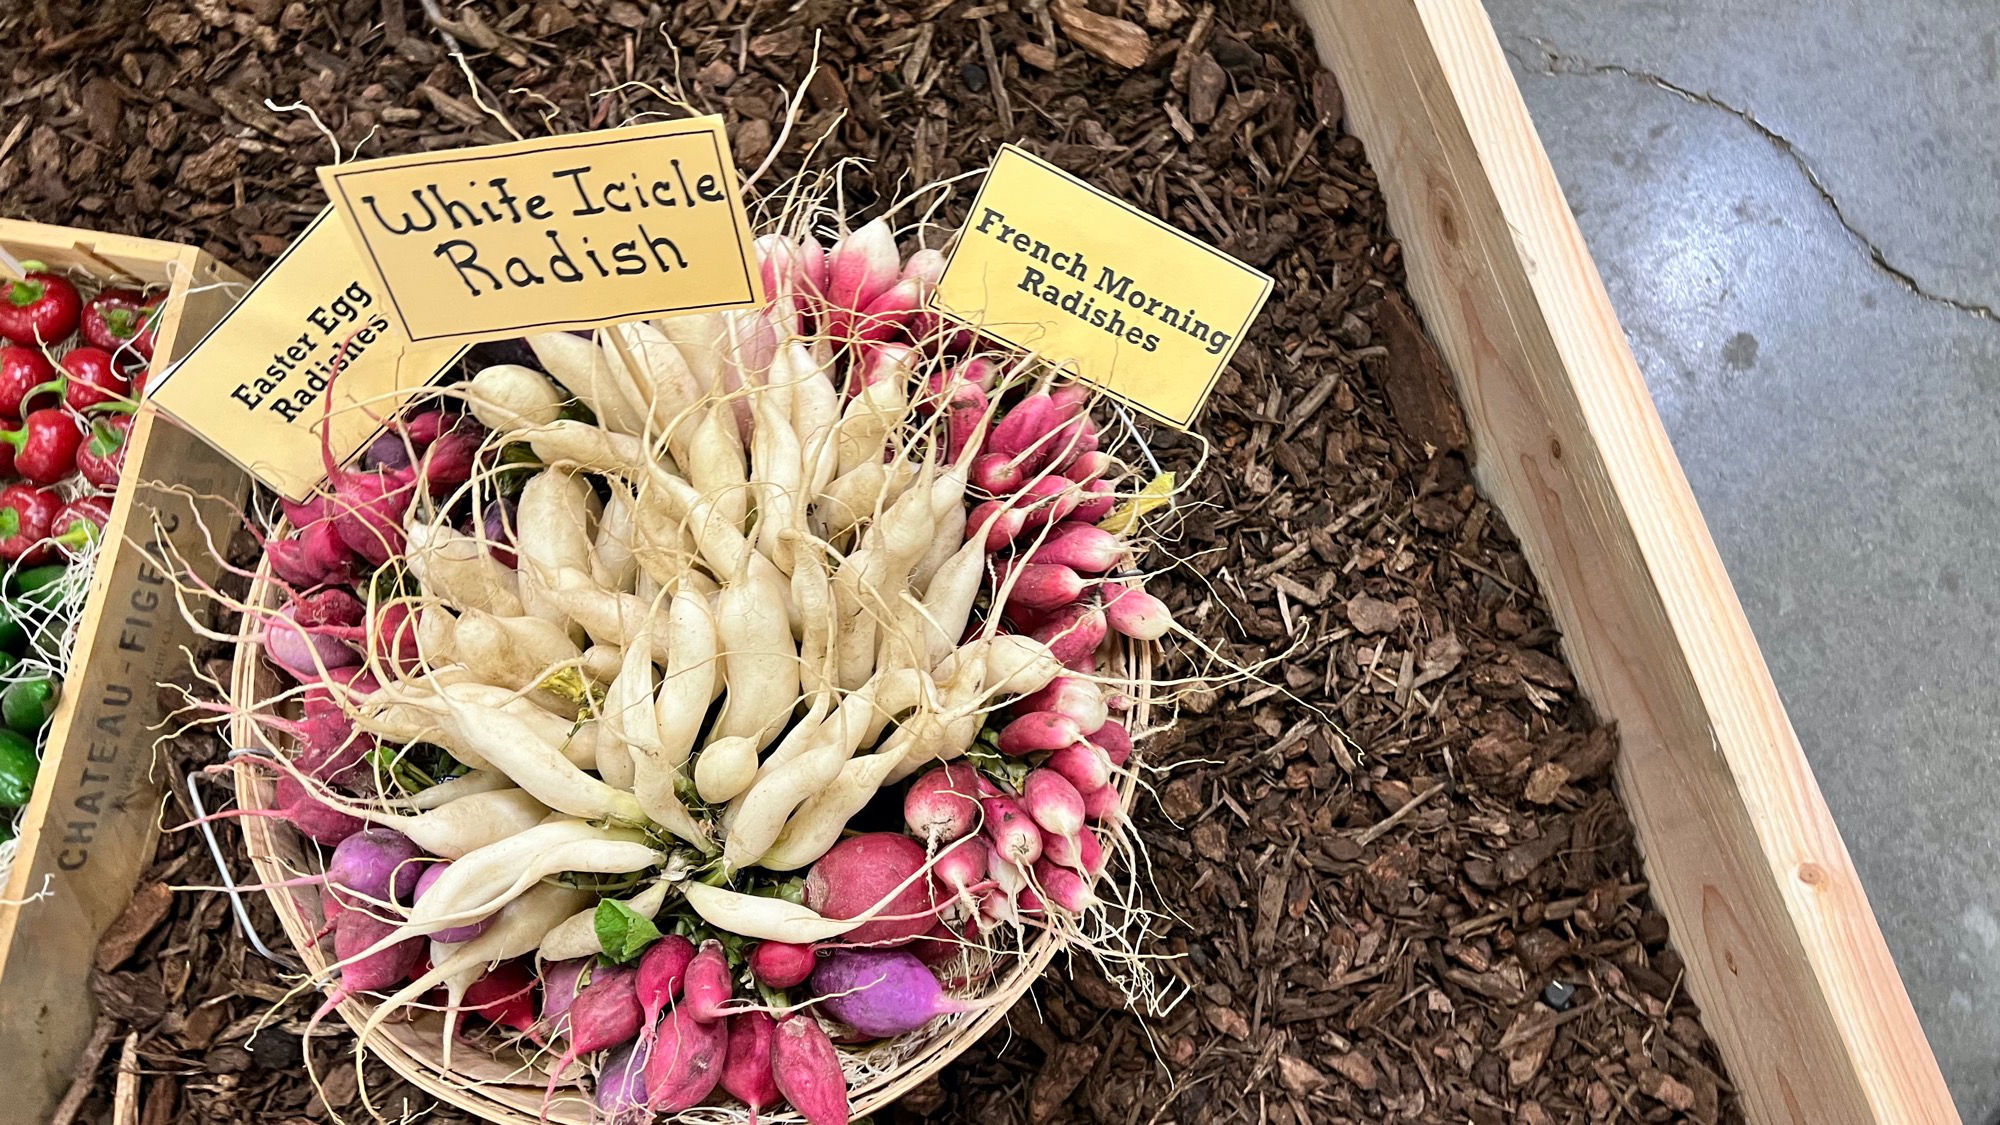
pixel 1118 42
pixel 140 917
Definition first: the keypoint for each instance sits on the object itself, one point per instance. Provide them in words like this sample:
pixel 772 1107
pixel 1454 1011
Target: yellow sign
pixel 554 233
pixel 255 386
pixel 1049 263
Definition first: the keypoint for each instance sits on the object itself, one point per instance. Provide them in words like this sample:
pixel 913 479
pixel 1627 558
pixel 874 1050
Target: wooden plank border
pixel 1783 954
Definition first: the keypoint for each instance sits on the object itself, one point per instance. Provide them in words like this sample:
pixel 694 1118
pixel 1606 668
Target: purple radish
pixel 621 1086
pixel 1053 803
pixel 708 985
pixel 782 964
pixel 453 934
pixel 1135 613
pixel 880 992
pixel 302 652
pixel 1072 634
pixel 562 981
pixel 746 1070
pixel 1011 830
pixel 389 451
pixel 806 1070
pixel 942 805
pixel 377 863
pixel 354 935
pixel 451 461
pixel 1037 731
pixel 311 556
pixel 686 1061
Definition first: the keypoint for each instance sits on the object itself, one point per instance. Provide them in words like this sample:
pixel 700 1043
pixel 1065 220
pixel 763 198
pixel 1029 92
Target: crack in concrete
pixel 1556 64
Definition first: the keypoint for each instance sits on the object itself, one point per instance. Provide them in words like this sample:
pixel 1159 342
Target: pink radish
pixel 807 1072
pixel 1114 740
pixel 1136 613
pixel 865 871
pixel 942 805
pixel 965 413
pixel 996 474
pixel 1081 547
pixel 1085 765
pixel 1099 498
pixel 1070 399
pixel 963 867
pixel 860 268
pixel 979 371
pixel 1074 696
pixel 888 314
pixel 1101 805
pixel 1012 832
pixel 1042 587
pixel 1086 468
pixel 925 266
pixel 1072 634
pixel 354 936
pixel 1037 731
pixel 880 992
pixel 466 932
pixel 662 972
pixel 686 1061
pixel 312 555
pixel 561 982
pixel 1052 802
pixel 781 964
pixel 1080 852
pixel 746 1071
pixel 394 638
pixel 1063 887
pixel 708 985
pixel 314 819
pixel 1049 499
pixel 998 521
pixel 367 510
pixel 1022 425
pixel 302 651
pixel 606 1014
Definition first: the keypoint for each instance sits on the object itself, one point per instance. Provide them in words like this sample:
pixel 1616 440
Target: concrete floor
pixel 1794 204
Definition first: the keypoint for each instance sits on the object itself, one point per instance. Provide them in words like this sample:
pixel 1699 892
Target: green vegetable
pixel 12 635
pixel 26 704
pixel 37 577
pixel 18 765
pixel 622 931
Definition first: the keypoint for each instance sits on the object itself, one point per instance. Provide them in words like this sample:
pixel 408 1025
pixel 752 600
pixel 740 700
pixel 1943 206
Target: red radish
pixel 1072 634
pixel 330 750
pixel 1100 805
pixel 1086 468
pixel 1074 696
pixel 1053 802
pixel 998 521
pixel 1037 731
pixel 1071 439
pixel 314 819
pixel 1027 421
pixel 1013 833
pixel 964 867
pixel 1063 887
pixel 937 946
pixel 925 266
pixel 1070 399
pixel 965 413
pixel 394 638
pixel 504 996
pixel 23 370
pixel 450 461
pixel 860 873
pixel 606 1014
pixel 1136 613
pixel 377 863
pixel 368 511
pixel 1080 852
pixel 942 805
pixel 1048 499
pixel 1082 547
pixel 40 308
pixel 1086 766
pixel 707 984
pixel 312 556
pixel 1099 498
pixel 1044 586
pixel 431 874
pixel 889 313
pixel 621 1085
pixel 662 970
pixel 427 426
pixel 807 1072
pixel 686 1061
pixel 302 513
pixel 781 964
pixel 1114 740
pixel 746 1072
pixel 879 992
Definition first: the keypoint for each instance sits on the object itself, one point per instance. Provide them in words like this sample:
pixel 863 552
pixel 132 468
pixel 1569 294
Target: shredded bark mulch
pixel 1404 888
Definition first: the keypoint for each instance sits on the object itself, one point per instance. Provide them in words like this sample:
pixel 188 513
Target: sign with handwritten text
pixel 1049 263
pixel 553 233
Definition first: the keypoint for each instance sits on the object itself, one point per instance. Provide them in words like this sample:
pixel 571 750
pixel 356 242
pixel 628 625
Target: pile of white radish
pixel 598 652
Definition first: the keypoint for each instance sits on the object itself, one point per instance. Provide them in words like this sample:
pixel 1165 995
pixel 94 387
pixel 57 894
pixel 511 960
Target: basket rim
pixel 419 1058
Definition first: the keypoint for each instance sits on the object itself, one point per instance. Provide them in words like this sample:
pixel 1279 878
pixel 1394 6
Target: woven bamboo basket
pixel 507 1086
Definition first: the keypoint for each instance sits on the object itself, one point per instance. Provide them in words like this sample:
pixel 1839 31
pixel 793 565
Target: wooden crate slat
pixel 1784 957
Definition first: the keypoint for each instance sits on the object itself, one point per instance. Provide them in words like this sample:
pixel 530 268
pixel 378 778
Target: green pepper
pixel 26 704
pixel 36 577
pixel 17 769
pixel 12 635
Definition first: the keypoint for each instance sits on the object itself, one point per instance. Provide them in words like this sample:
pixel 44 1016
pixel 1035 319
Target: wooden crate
pixel 92 823
pixel 1783 954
